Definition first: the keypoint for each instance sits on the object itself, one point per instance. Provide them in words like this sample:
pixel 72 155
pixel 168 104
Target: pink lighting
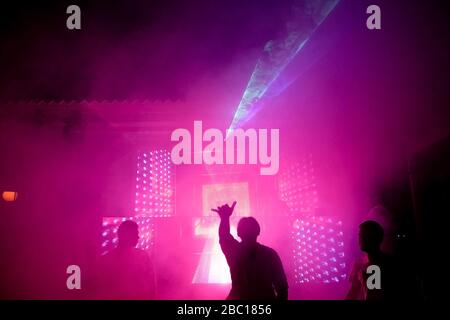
pixel 318 250
pixel 297 186
pixel 212 266
pixel 111 224
pixel 156 184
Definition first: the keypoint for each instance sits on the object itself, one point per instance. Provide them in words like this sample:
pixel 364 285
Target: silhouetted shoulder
pixel 268 251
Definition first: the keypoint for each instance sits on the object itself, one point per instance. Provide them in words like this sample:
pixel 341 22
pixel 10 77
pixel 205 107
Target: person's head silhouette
pixel 128 234
pixel 371 235
pixel 248 229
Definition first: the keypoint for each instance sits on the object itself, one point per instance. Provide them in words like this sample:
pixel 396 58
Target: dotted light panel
pixel 297 186
pixel 154 184
pixel 110 226
pixel 318 250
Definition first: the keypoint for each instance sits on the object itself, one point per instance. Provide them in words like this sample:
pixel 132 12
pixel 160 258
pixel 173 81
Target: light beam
pixel 308 15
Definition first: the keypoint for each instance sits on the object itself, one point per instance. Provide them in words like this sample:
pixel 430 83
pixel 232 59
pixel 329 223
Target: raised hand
pixel 225 211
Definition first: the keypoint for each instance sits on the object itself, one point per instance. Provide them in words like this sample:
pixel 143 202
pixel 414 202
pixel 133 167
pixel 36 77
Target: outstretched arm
pixel 225 237
pixel 224 227
pixel 224 212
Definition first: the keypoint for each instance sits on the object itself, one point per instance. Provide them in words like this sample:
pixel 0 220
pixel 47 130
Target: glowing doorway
pixel 212 266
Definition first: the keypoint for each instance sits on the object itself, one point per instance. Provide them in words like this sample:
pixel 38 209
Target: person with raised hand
pixel 256 270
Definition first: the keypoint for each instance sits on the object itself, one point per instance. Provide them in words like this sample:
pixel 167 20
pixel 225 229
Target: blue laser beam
pixel 308 15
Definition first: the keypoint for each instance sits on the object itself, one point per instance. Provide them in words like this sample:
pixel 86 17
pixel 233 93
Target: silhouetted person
pixel 127 272
pixel 381 215
pixel 371 235
pixel 256 270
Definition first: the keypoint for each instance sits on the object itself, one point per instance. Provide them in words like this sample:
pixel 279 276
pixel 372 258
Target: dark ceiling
pixel 158 49
pixel 128 49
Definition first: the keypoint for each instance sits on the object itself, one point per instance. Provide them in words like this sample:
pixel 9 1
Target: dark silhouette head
pixel 371 235
pixel 248 229
pixel 128 233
